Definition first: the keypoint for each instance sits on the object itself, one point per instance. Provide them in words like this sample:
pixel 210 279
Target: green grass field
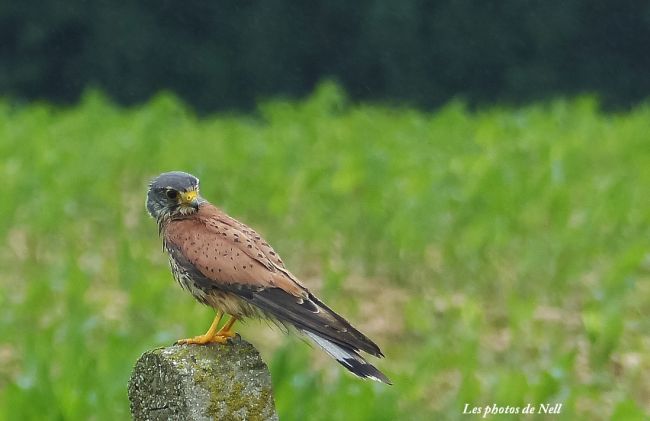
pixel 499 256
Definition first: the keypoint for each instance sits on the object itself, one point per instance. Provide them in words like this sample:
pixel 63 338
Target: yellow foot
pixel 212 336
pixel 221 338
pixel 227 334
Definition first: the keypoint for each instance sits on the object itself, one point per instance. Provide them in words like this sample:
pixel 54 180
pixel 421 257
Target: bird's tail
pixel 349 358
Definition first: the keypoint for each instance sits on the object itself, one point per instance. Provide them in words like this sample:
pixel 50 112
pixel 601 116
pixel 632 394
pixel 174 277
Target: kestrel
pixel 228 266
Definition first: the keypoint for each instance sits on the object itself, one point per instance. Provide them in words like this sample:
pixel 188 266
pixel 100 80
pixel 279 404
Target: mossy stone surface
pixel 202 382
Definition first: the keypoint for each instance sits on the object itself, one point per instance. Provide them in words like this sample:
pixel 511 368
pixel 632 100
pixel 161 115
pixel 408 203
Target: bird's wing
pixel 251 234
pixel 223 256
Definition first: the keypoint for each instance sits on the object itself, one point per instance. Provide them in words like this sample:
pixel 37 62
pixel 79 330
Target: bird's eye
pixel 172 194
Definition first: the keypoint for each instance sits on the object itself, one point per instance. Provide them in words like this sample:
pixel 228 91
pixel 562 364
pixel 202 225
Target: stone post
pixel 202 382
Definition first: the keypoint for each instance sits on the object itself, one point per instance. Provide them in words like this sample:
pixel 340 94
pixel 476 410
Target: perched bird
pixel 228 266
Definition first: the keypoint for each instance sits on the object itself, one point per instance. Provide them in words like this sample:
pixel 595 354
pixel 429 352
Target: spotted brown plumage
pixel 227 265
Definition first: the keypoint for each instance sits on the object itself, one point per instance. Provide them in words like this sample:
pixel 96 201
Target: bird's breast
pixel 212 296
pixel 187 282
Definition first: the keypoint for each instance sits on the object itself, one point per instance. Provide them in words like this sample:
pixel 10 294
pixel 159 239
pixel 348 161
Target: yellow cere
pixel 187 197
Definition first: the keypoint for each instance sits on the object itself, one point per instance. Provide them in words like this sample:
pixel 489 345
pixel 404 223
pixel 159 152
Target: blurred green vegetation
pixel 498 256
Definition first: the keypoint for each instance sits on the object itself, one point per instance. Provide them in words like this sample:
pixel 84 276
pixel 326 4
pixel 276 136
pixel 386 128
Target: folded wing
pixel 227 256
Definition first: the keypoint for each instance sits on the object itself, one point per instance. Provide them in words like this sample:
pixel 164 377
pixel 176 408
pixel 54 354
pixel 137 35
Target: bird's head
pixel 173 195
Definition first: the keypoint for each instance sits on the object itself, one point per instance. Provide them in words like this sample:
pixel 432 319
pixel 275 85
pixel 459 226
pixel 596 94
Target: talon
pixel 212 336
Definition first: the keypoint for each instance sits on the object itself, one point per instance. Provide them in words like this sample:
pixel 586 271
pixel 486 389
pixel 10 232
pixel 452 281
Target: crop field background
pixel 498 256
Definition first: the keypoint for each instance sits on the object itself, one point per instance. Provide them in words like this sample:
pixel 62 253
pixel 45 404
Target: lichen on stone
pixel 202 382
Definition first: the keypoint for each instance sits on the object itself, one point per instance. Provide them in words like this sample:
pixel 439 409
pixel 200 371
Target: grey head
pixel 172 195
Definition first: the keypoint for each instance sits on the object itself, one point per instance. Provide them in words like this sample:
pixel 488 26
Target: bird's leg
pixel 225 331
pixel 210 336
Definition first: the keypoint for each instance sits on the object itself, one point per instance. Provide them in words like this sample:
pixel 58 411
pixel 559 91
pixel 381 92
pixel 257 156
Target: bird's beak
pixel 190 199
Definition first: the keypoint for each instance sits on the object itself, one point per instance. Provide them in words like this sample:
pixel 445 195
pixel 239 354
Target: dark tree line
pixel 227 54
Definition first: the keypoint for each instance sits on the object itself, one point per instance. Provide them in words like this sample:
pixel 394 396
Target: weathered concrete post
pixel 204 382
